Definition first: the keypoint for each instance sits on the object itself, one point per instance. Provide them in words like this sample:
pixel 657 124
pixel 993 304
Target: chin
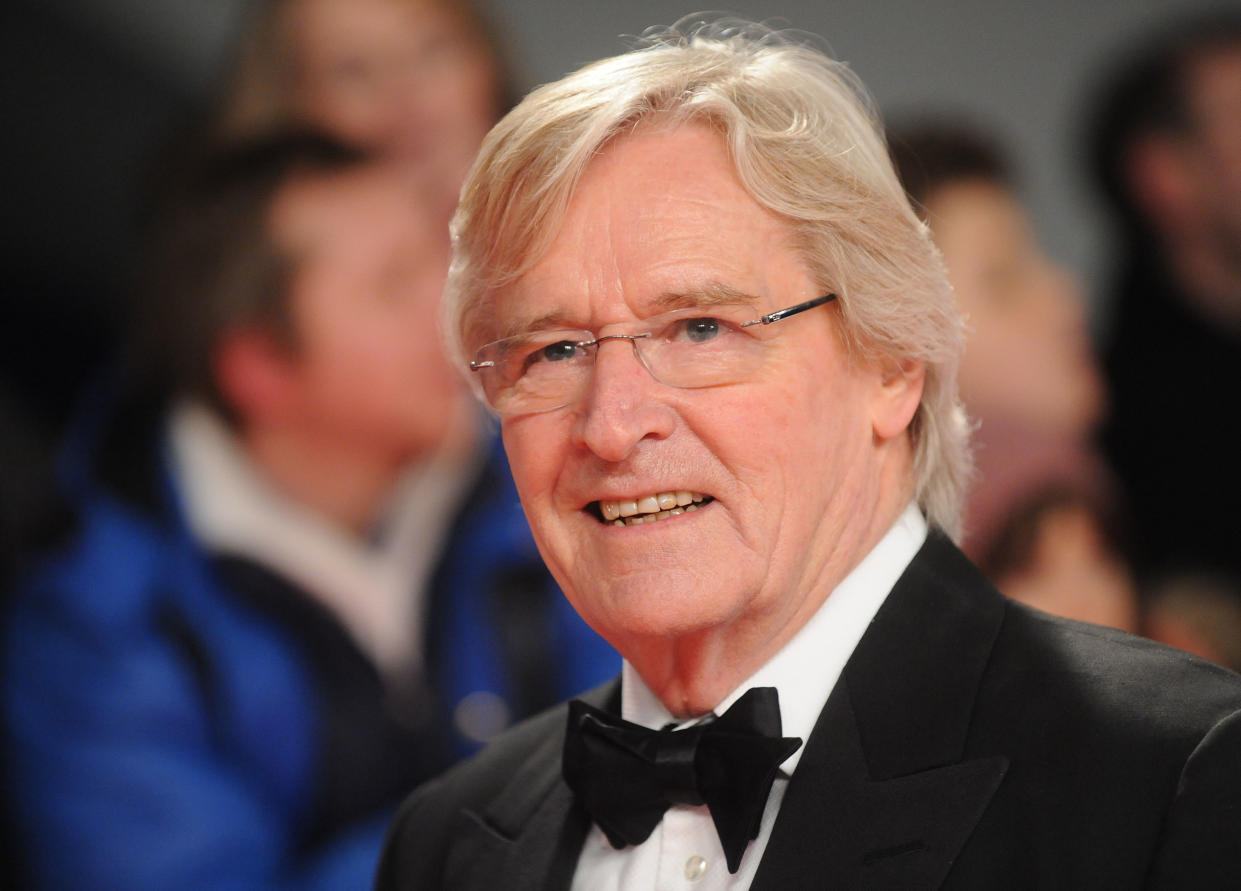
pixel 654 613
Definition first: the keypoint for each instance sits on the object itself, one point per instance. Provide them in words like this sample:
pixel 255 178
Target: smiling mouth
pixel 648 509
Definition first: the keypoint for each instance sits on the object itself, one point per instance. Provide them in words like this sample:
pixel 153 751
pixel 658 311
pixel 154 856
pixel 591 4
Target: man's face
pixel 1027 363
pixel 408 79
pixel 1214 95
pixel 786 462
pixel 367 371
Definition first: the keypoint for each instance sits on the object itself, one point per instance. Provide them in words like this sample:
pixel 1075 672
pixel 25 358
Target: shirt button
pixel 695 867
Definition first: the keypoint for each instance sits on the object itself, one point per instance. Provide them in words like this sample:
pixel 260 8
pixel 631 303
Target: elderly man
pixel 724 355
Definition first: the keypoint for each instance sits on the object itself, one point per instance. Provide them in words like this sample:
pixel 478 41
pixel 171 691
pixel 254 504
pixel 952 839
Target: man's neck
pixel 805 669
pixel 694 673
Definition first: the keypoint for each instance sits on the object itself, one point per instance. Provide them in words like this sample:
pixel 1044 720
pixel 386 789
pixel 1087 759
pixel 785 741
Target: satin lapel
pixel 882 797
pixel 531 834
pixel 541 855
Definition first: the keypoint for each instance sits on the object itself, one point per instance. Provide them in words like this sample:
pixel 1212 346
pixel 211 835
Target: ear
pixel 898 390
pixel 256 375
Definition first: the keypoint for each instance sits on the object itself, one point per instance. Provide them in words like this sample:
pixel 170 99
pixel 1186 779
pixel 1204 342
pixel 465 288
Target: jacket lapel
pixel 530 835
pixel 882 797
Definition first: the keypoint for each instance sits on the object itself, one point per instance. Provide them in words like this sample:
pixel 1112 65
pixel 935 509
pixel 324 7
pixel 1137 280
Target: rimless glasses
pixel 691 348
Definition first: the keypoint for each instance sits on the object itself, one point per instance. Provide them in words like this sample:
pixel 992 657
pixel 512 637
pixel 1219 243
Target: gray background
pixel 92 88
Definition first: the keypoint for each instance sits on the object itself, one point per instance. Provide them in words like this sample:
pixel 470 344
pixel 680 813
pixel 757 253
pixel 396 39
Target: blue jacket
pixel 175 719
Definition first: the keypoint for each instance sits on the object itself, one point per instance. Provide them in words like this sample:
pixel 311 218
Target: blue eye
pixel 557 352
pixel 702 330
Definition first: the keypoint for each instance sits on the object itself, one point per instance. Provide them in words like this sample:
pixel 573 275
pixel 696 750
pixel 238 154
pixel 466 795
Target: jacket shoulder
pixel 1129 677
pixel 499 786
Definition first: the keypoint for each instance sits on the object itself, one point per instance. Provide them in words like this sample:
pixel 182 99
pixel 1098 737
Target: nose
pixel 623 404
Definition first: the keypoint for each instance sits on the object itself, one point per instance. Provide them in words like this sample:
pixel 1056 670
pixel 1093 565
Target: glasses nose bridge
pixel 633 339
pixel 633 342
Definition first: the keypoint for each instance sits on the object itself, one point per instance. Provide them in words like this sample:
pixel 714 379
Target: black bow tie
pixel 626 775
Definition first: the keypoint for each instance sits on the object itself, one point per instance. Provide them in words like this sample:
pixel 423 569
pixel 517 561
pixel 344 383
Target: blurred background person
pixel 417 81
pixel 94 86
pixel 1037 513
pixel 1166 148
pixel 299 581
pixel 401 605
pixel 98 82
pixel 28 511
pixel 1196 612
pixel 96 89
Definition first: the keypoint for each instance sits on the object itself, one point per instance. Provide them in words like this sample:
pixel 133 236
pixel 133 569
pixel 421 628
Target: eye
pixel 556 352
pixel 541 356
pixel 702 329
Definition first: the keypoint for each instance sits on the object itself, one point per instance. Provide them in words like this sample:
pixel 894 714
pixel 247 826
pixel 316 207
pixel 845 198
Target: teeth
pixel 650 508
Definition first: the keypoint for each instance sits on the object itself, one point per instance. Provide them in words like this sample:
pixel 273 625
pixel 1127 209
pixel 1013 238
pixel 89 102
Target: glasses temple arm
pixel 790 311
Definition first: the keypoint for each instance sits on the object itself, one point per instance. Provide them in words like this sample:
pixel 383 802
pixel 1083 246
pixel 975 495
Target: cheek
pixel 1002 352
pixel 360 351
pixel 1024 377
pixel 781 454
pixel 369 366
pixel 530 443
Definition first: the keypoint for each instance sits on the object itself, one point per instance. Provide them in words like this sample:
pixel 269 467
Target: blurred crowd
pixel 289 577
pixel 274 571
pixel 1106 478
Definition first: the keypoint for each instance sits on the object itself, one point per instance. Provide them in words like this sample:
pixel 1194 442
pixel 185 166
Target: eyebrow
pixel 711 294
pixel 547 322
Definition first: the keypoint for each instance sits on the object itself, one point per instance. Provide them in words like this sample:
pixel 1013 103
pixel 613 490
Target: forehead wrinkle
pixel 597 209
pixel 713 293
pixel 583 218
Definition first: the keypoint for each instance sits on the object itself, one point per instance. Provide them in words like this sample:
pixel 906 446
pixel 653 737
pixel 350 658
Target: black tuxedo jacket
pixel 970 743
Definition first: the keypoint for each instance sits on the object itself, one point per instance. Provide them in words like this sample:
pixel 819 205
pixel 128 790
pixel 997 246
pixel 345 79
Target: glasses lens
pixel 701 347
pixel 688 348
pixel 535 372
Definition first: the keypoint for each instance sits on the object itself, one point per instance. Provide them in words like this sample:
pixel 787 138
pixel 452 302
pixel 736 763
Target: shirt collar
pixel 805 669
pixel 373 586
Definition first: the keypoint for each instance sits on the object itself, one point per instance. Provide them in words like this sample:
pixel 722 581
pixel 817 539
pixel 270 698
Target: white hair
pixel 807 145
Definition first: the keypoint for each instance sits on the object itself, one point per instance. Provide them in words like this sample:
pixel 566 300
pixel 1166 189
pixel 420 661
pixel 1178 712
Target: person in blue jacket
pixel 299 580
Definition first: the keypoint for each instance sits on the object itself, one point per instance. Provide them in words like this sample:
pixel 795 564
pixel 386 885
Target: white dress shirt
pixel 684 851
